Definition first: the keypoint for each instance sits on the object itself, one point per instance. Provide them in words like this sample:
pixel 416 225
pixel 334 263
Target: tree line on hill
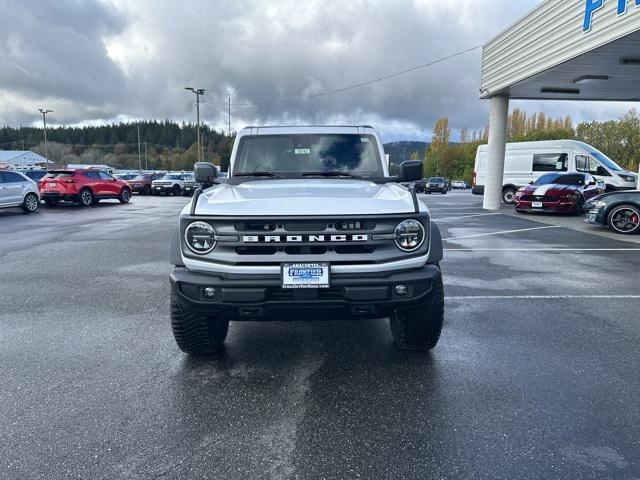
pixel 163 145
pixel 618 139
pixel 167 145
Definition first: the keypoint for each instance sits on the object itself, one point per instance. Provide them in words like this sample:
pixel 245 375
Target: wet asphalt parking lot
pixel 536 374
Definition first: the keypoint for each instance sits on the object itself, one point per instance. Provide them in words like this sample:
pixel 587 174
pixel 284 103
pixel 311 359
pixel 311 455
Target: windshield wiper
pixel 332 174
pixel 257 174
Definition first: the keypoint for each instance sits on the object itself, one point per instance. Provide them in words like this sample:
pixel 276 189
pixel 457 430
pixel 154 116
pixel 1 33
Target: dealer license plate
pixel 158 188
pixel 536 204
pixel 305 275
pixel 52 184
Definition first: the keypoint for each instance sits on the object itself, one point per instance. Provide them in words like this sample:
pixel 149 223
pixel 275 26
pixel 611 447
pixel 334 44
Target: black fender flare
pixel 436 252
pixel 175 253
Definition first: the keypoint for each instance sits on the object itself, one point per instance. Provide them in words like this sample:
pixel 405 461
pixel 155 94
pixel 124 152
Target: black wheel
pixel 125 195
pixel 51 202
pixel 444 192
pixel 578 207
pixel 196 334
pixel 147 190
pixel 30 203
pixel 624 219
pixel 508 195
pixel 86 198
pixel 176 190
pixel 419 328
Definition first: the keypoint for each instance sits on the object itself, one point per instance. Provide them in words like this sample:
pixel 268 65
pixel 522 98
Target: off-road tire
pixel 86 198
pixel 419 329
pixel 176 190
pixel 196 334
pixel 146 190
pixel 125 195
pixel 30 203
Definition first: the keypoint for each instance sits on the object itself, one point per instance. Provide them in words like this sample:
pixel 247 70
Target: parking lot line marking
pixel 465 216
pixel 501 232
pixel 544 297
pixel 542 249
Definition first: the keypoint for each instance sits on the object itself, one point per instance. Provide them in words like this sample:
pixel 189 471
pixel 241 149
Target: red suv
pixel 84 186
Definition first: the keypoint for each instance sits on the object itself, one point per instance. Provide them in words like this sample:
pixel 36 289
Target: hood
pixel 305 197
pixel 551 190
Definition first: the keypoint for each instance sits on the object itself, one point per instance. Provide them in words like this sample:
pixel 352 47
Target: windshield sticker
pixel 303 151
pixel 364 140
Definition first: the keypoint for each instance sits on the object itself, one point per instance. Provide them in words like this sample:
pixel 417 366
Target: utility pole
pixel 46 149
pixel 146 162
pixel 139 153
pixel 229 117
pixel 198 92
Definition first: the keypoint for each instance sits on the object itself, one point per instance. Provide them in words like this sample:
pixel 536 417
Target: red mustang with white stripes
pixel 558 192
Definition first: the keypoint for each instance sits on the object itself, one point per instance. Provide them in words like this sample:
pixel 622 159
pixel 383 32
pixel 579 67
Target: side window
pixel 582 163
pixel 1 178
pixel 10 177
pixel 597 169
pixel 104 176
pixel 91 175
pixel 550 162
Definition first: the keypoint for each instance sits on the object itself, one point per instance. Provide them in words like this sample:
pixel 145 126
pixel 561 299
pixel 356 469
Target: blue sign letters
pixel 593 6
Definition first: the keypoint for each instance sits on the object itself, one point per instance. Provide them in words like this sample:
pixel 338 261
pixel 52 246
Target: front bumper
pixel 596 216
pixel 162 188
pixel 556 207
pixel 261 297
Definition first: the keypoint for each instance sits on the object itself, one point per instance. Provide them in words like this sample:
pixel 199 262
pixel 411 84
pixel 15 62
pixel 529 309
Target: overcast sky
pixel 95 61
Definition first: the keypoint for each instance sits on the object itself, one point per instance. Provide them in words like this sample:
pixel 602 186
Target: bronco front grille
pixel 339 241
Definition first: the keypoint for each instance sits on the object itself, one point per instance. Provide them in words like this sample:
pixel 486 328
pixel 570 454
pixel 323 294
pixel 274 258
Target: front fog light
pixel 200 237
pixel 409 235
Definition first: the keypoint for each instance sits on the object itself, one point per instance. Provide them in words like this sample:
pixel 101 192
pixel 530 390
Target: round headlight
pixel 409 235
pixel 200 237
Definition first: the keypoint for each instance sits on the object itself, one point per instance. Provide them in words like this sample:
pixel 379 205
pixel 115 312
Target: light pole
pixel 198 92
pixel 46 150
pixel 139 153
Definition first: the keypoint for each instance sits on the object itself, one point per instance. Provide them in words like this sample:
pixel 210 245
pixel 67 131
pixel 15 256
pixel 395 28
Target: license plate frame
pixel 536 205
pixel 300 276
pixel 52 184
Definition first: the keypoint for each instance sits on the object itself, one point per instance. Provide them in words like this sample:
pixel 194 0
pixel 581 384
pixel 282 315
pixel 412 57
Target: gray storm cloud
pixel 101 60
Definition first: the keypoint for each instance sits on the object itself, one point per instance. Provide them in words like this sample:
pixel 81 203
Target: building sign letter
pixel 591 8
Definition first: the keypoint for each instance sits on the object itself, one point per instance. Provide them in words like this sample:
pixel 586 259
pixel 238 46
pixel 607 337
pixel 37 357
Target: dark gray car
pixel 17 190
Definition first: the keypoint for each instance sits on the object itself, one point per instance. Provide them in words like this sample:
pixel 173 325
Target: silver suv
pixel 17 190
pixel 309 225
pixel 171 183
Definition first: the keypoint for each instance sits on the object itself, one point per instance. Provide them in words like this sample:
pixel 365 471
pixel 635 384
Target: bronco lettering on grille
pixel 304 238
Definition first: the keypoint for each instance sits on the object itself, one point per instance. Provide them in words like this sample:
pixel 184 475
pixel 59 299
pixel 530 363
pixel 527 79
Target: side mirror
pixel 411 171
pixel 205 172
pixel 531 182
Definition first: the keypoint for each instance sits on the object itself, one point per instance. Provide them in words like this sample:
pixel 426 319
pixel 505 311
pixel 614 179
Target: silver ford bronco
pixel 309 225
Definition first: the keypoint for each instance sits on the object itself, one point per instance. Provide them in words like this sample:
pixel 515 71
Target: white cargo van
pixel 526 161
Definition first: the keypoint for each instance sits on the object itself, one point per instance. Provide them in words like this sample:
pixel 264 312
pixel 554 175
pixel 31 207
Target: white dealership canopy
pixel 562 50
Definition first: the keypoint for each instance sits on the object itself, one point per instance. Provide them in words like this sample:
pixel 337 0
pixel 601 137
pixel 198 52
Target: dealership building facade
pixel 562 50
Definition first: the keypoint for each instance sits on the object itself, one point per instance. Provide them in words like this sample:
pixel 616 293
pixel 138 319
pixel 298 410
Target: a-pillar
pixel 495 160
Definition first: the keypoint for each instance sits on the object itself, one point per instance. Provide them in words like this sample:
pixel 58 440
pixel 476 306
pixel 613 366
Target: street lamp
pixel 198 92
pixel 44 120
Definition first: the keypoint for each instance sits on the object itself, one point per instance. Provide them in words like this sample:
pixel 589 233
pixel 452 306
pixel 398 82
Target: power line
pixel 357 85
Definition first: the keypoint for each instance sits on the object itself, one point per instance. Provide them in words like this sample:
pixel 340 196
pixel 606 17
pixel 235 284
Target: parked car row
pixel 175 184
pixel 575 193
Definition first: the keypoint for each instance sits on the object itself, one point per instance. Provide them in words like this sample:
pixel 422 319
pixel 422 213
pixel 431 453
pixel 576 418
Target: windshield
pixel 606 161
pixel 172 177
pixel 436 180
pixel 297 154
